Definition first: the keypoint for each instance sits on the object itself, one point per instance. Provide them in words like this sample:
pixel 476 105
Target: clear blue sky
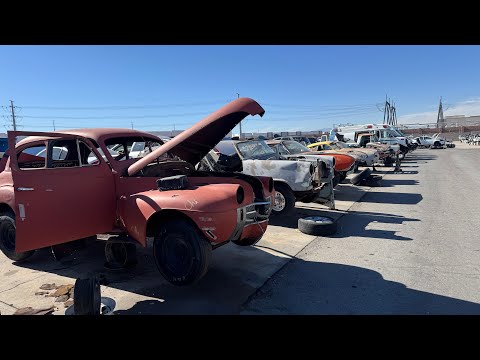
pixel 300 87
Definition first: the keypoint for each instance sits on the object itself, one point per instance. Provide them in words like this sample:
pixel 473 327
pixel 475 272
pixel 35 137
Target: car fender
pixel 212 207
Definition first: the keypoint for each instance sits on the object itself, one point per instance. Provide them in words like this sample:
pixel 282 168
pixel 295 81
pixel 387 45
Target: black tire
pixel 286 201
pixel 87 297
pixel 181 253
pixel 7 238
pixel 317 225
pixel 360 176
pixel 119 254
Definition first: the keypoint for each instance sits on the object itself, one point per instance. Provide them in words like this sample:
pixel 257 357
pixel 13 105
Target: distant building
pixel 462 120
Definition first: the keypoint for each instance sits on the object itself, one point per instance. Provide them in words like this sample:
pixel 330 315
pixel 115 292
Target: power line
pixel 121 107
pixel 112 116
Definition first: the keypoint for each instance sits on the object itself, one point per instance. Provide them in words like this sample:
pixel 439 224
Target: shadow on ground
pixel 397 182
pixel 305 287
pixel 234 274
pixel 357 221
pixel 392 197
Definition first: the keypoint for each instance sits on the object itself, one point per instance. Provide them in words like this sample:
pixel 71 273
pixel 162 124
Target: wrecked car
pixel 344 163
pixel 387 152
pixel 304 178
pixel 367 156
pixel 47 200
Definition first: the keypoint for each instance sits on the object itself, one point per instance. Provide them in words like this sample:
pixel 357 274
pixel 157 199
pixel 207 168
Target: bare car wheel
pixel 317 225
pixel 284 200
pixel 7 238
pixel 181 253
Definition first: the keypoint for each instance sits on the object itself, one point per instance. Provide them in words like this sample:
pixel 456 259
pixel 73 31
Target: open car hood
pixel 194 143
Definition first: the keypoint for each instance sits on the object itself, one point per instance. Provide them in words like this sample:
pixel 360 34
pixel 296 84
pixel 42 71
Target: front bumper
pixel 249 217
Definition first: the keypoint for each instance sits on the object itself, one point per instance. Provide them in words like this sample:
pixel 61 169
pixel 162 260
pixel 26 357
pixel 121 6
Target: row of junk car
pixel 184 196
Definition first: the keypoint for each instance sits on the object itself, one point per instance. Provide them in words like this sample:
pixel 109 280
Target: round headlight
pixel 240 195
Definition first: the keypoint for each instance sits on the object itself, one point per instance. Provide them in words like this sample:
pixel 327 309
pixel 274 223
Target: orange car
pixel 82 189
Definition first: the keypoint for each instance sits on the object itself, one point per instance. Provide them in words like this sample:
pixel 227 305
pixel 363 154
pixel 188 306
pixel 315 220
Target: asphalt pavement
pixel 410 246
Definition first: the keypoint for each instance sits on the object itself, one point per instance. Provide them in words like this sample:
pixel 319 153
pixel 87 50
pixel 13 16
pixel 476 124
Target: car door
pixel 60 199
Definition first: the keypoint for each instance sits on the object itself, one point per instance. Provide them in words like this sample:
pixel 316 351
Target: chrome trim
pixel 25 189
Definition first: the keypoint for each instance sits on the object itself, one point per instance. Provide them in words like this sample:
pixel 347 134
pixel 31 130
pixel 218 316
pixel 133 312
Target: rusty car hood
pixel 194 143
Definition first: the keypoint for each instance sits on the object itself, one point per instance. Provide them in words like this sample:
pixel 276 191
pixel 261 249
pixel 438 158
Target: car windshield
pixel 255 149
pixel 395 132
pixel 295 147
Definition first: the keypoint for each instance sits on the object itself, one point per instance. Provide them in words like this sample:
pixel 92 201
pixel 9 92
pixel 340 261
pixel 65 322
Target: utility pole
pixel 13 116
pixel 240 123
pixel 53 125
pixel 132 124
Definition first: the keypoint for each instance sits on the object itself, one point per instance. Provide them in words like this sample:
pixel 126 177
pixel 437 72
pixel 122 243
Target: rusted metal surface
pixel 55 205
pixel 194 143
pixel 296 174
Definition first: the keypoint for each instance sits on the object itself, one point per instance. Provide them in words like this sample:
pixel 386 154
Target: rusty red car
pixel 58 187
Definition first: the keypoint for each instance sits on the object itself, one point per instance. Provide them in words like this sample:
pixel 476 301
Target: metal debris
pixel 41 293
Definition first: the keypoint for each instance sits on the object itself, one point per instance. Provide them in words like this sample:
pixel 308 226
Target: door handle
pixel 25 189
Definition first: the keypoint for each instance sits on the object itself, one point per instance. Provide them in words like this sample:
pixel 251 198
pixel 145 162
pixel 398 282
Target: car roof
pixel 96 134
pixel 274 142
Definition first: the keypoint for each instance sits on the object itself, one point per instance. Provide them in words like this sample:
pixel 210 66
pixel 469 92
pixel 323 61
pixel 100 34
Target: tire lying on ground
pixel 360 176
pixel 87 297
pixel 317 225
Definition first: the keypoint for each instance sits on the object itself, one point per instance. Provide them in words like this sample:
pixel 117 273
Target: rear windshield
pixel 129 147
pixel 295 147
pixel 225 148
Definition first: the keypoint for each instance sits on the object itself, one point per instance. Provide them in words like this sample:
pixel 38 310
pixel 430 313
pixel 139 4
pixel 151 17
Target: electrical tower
pixel 440 119
pixel 390 113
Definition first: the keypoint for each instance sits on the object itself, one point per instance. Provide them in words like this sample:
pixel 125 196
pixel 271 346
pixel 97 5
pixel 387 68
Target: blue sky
pixel 300 87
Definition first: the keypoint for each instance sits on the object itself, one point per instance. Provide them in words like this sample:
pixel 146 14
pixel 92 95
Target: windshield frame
pixel 296 143
pixel 270 152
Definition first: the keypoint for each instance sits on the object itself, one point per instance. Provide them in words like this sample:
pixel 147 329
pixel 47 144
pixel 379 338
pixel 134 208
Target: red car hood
pixel 194 143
